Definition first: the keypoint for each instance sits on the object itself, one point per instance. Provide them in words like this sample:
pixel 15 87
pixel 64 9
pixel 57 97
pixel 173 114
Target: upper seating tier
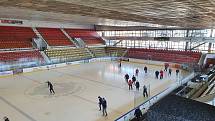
pixel 16 37
pixel 90 37
pixel 55 37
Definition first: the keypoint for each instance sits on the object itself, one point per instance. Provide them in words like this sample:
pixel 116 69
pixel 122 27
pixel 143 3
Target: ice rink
pixel 25 97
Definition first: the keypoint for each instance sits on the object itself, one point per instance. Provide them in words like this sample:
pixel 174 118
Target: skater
pixel 137 71
pixel 137 84
pixel 161 74
pixel 130 85
pixel 177 72
pixel 145 93
pixel 100 102
pixel 104 107
pixel 138 114
pixel 6 119
pixel 120 63
pixel 133 79
pixel 126 77
pixel 156 74
pixel 145 69
pixel 50 87
pixel 166 65
pixel 170 71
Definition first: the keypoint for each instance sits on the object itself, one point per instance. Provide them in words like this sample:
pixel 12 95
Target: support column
pixel 209 47
pixel 210 44
pixel 187 43
pixel 186 46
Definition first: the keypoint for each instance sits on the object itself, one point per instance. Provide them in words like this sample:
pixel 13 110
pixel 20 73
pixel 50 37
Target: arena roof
pixel 149 13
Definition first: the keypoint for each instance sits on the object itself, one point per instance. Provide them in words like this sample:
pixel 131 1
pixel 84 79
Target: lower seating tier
pixel 20 56
pixel 68 54
pixel 115 51
pixel 168 56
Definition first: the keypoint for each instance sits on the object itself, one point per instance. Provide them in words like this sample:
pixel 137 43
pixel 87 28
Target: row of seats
pixel 194 54
pixel 68 54
pixel 16 37
pixel 168 56
pixel 20 56
pixel 55 37
pixel 98 51
pixel 108 51
pixel 115 51
pixel 90 37
pixel 21 37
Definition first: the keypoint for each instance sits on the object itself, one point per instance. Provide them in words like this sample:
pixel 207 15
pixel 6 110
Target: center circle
pixel 61 89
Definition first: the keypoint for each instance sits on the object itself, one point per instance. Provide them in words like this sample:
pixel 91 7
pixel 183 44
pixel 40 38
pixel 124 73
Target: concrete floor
pixel 25 97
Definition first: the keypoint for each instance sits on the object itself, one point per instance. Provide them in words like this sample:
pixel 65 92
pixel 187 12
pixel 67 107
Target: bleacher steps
pixel 105 40
pixel 81 43
pixel 202 59
pixel 40 36
pixel 67 35
pixel 125 52
pixel 92 55
pixel 46 58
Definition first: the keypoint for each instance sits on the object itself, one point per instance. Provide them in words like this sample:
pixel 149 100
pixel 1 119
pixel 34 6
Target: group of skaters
pixel 103 105
pixel 133 81
pixel 161 73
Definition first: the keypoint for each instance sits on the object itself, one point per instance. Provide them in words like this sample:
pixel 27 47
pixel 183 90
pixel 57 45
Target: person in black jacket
pixel 170 71
pixel 156 74
pixel 177 72
pixel 145 92
pixel 138 114
pixel 126 77
pixel 104 107
pixel 133 79
pixel 6 119
pixel 145 69
pixel 51 89
pixel 100 102
pixel 137 84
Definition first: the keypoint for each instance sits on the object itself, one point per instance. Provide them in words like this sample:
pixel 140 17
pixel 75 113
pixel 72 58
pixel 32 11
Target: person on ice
pixel 133 79
pixel 104 107
pixel 100 102
pixel 137 72
pixel 161 74
pixel 145 69
pixel 130 85
pixel 120 63
pixel 50 86
pixel 6 118
pixel 145 92
pixel 170 71
pixel 137 84
pixel 156 74
pixel 177 72
pixel 166 66
pixel 126 77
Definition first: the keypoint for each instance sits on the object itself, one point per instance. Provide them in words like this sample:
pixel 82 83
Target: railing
pixel 149 102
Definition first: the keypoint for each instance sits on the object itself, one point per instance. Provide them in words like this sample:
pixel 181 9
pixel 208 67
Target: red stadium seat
pixel 186 57
pixel 20 55
pixel 16 37
pixel 90 37
pixel 55 37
